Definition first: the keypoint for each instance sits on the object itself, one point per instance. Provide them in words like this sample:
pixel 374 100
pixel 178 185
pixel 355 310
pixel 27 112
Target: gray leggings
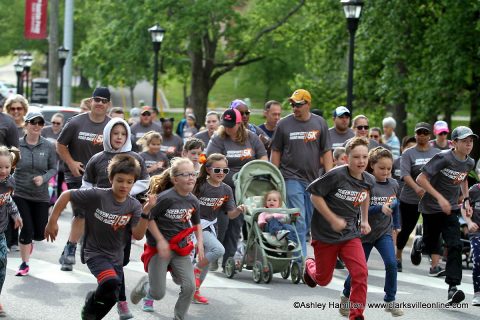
pixel 213 250
pixel 183 269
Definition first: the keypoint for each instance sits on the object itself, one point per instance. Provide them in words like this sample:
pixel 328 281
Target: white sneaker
pixel 344 306
pixel 476 299
pixel 282 234
pixel 390 307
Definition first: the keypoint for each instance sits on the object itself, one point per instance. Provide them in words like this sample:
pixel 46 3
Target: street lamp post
pixel 19 70
pixel 27 62
pixel 352 9
pixel 62 57
pixel 157 34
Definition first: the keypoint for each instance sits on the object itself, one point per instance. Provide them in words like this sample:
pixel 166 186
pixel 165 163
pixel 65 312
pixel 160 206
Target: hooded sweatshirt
pixel 96 169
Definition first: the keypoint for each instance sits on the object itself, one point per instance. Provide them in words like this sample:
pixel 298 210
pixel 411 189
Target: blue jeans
pixel 3 259
pixel 298 197
pixel 273 226
pixel 386 249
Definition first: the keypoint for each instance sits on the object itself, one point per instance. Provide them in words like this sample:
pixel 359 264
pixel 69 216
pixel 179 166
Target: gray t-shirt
pixel 8 131
pixel 157 158
pixel 83 138
pixel 344 195
pixel 382 193
pixel 339 139
pixel 411 161
pixel 106 222
pixel 203 135
pixel 138 130
pixel 215 200
pixel 301 144
pixel 396 174
pixel 172 146
pixel 8 208
pixel 173 213
pixel 446 172
pixel 237 154
pixel 96 169
pixel 474 194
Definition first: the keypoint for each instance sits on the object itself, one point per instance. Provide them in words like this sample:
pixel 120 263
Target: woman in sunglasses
pixel 17 107
pixel 216 199
pixel 360 128
pixel 37 164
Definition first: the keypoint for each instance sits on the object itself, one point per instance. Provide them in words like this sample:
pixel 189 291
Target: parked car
pixel 49 111
pixel 7 89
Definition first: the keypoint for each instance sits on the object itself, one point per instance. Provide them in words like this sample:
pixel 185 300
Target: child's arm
pixel 337 223
pixel 14 213
pixel 199 236
pixel 163 247
pixel 423 181
pixel 364 226
pixel 472 226
pixel 138 232
pixel 232 214
pixel 466 200
pixel 51 230
pixel 396 217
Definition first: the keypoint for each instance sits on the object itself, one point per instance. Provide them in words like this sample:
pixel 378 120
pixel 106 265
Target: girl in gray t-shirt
pixel 155 160
pixel 341 199
pixel 382 212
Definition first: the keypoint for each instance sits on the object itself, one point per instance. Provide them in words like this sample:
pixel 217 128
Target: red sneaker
pixel 199 299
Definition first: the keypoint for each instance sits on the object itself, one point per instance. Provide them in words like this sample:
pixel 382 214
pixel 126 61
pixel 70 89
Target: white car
pixel 7 89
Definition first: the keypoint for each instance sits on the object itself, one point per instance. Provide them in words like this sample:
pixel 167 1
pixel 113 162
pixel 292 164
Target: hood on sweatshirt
pixel 106 136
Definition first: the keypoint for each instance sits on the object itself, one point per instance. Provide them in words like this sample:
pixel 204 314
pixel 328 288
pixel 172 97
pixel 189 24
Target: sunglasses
pixel 443 133
pixel 374 136
pixel 362 127
pixel 56 123
pixel 102 100
pixel 221 170
pixel 147 114
pixel 16 109
pixel 422 132
pixel 187 174
pixel 297 104
pixel 38 122
pixel 245 113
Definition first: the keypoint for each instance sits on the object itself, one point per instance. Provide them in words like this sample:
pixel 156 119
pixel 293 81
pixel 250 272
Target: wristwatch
pixel 145 216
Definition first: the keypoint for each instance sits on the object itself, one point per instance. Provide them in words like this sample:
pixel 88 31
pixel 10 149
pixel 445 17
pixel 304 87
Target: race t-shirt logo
pixel 96 139
pixel 215 203
pixel 356 197
pixel 168 149
pixel 180 215
pixel 457 177
pixel 115 220
pixel 361 196
pixel 306 136
pixel 244 154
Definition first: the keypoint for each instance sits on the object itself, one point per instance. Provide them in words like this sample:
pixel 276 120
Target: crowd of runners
pixel 357 187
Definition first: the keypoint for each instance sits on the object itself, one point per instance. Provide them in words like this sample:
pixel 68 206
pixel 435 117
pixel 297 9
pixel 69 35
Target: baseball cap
pixel 145 109
pixel 134 112
pixel 101 92
pixel 32 115
pixel 423 125
pixel 462 132
pixel 301 96
pixel 237 103
pixel 191 116
pixel 231 117
pixel 340 111
pixel 440 126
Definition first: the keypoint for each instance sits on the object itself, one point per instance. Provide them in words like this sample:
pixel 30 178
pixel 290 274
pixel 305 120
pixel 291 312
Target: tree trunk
pixel 475 113
pixel 400 115
pixel 199 89
pixel 132 96
pixel 53 55
pixel 84 84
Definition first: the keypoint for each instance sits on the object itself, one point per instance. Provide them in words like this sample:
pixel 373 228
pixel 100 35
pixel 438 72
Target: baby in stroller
pixel 273 222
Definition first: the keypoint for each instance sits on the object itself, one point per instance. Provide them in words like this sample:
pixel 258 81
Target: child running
pixel 340 197
pixel 193 149
pixel 442 178
pixel 473 223
pixel 8 210
pixel 155 160
pixel 175 217
pixel 109 212
pixel 383 216
pixel 216 199
pixel 273 222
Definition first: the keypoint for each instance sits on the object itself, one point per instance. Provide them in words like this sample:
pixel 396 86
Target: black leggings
pixel 409 217
pixel 35 217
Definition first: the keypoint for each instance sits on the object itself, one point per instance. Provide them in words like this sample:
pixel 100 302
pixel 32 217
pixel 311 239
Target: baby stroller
pixel 262 252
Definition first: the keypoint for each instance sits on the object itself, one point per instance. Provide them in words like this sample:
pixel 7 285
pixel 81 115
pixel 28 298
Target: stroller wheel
pixel 296 272
pixel 267 274
pixel 257 271
pixel 286 272
pixel 230 267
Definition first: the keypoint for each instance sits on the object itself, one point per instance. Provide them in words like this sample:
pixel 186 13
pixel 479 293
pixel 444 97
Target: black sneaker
pixel 455 296
pixel 339 264
pixel 85 314
pixel 306 277
pixel 416 253
pixel 399 266
pixel 436 272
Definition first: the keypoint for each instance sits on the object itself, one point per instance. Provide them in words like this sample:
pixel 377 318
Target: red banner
pixel 36 19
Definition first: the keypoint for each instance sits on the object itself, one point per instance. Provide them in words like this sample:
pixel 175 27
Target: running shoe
pixel 436 272
pixel 282 234
pixel 3 314
pixel 416 253
pixel 476 299
pixel 140 290
pixel 213 266
pixel 344 306
pixel 123 310
pixel 147 305
pixel 23 270
pixel 395 311
pixel 291 245
pixel 85 314
pixel 199 299
pixel 306 276
pixel 455 296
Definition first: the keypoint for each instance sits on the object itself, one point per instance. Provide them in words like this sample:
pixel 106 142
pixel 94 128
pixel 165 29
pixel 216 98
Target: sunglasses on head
pixel 102 100
pixel 220 170
pixel 297 104
pixel 39 122
pixel 362 127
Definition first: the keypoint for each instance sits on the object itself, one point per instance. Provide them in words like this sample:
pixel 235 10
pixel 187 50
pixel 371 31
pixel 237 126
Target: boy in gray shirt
pixel 443 177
